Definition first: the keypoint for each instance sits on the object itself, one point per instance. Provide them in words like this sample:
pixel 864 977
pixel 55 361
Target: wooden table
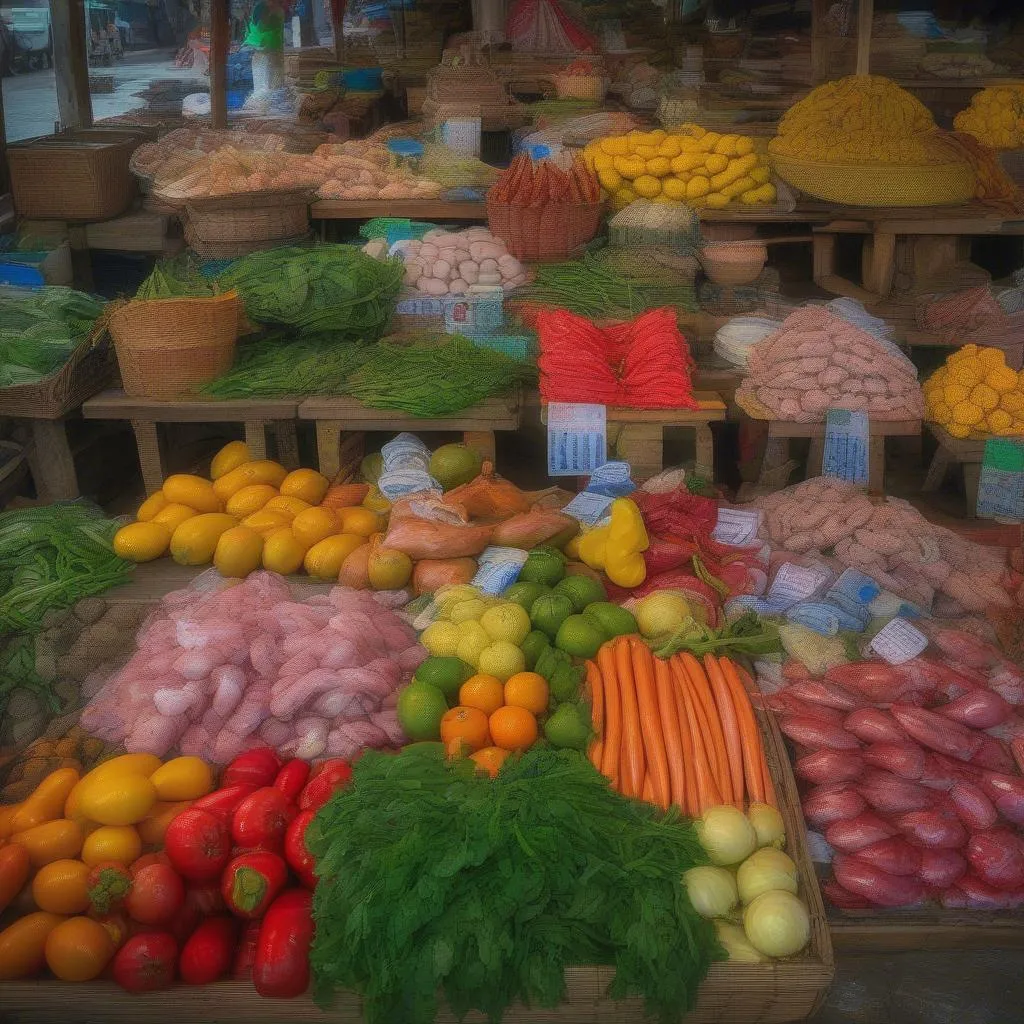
pixel 965 451
pixel 256 414
pixel 414 209
pixel 342 421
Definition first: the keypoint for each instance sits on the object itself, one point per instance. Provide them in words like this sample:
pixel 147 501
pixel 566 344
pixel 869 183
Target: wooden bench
pixel 256 414
pixel 781 432
pixel 965 451
pixel 342 421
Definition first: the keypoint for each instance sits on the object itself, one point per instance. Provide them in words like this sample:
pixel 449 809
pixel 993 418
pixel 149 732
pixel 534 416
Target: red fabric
pixel 642 364
pixel 526 20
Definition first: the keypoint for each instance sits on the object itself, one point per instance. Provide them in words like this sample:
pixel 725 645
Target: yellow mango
pixel 194 542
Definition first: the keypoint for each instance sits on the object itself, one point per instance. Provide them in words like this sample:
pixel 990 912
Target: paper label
pixel 419 307
pixel 498 568
pixel 794 583
pixel 577 438
pixel 898 641
pixel 588 507
pixel 846 446
pixel 1001 484
pixel 737 526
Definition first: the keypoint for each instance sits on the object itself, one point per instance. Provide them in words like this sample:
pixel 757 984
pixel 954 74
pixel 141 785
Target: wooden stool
pixel 145 413
pixel 965 451
pixel 342 421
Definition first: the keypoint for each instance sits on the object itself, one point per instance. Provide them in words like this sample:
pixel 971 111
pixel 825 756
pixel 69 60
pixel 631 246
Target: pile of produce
pixel 39 330
pixel 362 170
pixel 601 877
pixel 959 65
pixel 450 262
pixel 248 665
pixel 817 361
pixel 976 393
pixel 830 520
pixel 691 165
pixel 170 156
pixel 529 183
pixel 60 747
pixel 913 774
pixel 995 117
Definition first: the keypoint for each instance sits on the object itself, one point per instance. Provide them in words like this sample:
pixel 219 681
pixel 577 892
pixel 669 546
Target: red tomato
pixel 257 767
pixel 260 820
pixel 145 860
pixel 332 776
pixel 223 801
pixel 108 884
pixel 296 853
pixel 208 954
pixel 156 896
pixel 146 962
pixel 198 844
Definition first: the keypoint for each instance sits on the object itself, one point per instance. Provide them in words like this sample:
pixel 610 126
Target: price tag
pixel 1001 485
pixel 846 446
pixel 589 507
pixel 577 438
pixel 898 641
pixel 419 307
pixel 737 526
pixel 794 583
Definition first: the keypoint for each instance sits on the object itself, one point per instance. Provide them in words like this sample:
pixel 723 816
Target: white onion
pixel 777 924
pixel 736 943
pixel 726 835
pixel 712 891
pixel 765 870
pixel 768 824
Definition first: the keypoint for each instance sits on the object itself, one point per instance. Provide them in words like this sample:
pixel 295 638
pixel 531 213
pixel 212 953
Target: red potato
pixel 817 734
pixel 261 819
pixel 146 962
pixel 198 844
pixel 889 794
pixel 997 857
pixel 894 855
pixel 208 955
pixel 973 893
pixel 973 807
pixel 907 760
pixel 829 766
pixel 938 733
pixel 936 828
pixel 872 725
pixel 879 887
pixel 825 804
pixel 941 868
pixel 856 833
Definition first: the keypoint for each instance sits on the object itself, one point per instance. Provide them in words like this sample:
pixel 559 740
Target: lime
pixel 533 645
pixel 569 726
pixel 524 593
pixel 507 621
pixel 473 639
pixel 501 659
pixel 441 638
pixel 610 618
pixel 578 636
pixel 465 610
pixel 420 710
pixel 581 590
pixel 543 565
pixel 447 674
pixel 549 612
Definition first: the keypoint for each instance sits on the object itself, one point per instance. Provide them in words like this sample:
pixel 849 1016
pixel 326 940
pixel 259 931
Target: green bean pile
pixel 434 379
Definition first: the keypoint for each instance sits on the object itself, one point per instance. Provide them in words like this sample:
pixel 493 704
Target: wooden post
pixel 820 51
pixel 865 18
pixel 220 43
pixel 338 27
pixel 71 63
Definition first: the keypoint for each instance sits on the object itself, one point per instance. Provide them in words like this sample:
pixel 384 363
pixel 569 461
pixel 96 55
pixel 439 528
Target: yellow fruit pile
pixel 860 118
pixel 976 393
pixel 691 166
pixel 254 513
pixel 995 117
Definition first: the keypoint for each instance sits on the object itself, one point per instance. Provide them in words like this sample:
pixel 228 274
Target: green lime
pixel 421 707
pixel 579 636
pixel 543 565
pixel 447 674
pixel 569 726
pixel 610 618
pixel 581 590
pixel 549 611
pixel 524 593
pixel 533 646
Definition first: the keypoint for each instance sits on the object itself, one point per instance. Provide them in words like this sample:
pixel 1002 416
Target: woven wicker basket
pixel 166 348
pixel 235 250
pixel 73 177
pixel 879 184
pixel 544 233
pixel 254 224
pixel 89 370
pixel 581 87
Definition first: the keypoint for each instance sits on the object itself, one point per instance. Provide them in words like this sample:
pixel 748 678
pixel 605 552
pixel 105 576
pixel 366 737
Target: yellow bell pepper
pixel 592 547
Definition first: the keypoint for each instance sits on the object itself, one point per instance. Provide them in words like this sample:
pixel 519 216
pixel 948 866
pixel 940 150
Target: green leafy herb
pixel 175 278
pixel 746 635
pixel 436 879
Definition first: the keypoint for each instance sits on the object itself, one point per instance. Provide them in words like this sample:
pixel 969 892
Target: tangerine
pixel 464 727
pixel 527 690
pixel 490 759
pixel 482 691
pixel 512 728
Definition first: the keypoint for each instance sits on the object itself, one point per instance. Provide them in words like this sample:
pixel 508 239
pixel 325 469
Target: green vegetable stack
pixel 435 879
pixel 174 279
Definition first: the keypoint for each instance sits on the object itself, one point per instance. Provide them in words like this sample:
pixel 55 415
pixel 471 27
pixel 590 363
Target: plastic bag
pixel 425 538
pixel 538 526
pixel 432 573
pixel 488 496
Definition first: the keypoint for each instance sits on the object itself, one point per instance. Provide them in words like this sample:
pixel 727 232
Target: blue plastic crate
pixel 363 79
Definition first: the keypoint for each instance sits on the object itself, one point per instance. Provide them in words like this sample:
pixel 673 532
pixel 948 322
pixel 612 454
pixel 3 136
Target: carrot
pixel 707 791
pixel 754 768
pixel 650 722
pixel 730 726
pixel 595 752
pixel 632 741
pixel 689 756
pixel 673 740
pixel 646 791
pixel 612 716
pixel 702 690
pixel 596 710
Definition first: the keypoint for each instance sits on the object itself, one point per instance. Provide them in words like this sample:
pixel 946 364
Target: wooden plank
pixel 220 42
pixel 71 63
pixel 416 209
pixel 877 428
pixel 865 15
pixel 498 413
pixel 50 461
pixel 712 408
pixel 116 405
pixel 963 449
pixel 894 931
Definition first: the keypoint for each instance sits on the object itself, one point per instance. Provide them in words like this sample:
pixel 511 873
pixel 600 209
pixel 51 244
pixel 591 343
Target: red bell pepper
pixel 296 853
pixel 260 820
pixel 251 881
pixel 292 778
pixel 208 954
pixel 281 969
pixel 245 955
pixel 332 776
pixel 223 801
pixel 256 767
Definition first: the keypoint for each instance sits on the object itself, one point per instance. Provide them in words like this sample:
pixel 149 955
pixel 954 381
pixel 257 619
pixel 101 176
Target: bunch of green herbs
pixel 748 635
pixel 434 878
pixel 176 278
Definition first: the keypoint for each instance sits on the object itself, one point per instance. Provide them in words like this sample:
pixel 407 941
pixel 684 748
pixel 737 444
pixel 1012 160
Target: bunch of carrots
pixel 525 183
pixel 677 732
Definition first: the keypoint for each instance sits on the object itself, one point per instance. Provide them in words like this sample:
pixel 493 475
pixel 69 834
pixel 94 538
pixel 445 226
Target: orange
pixel 120 843
pixel 512 728
pixel 466 727
pixel 527 690
pixel 60 887
pixel 78 949
pixel 482 691
pixel 363 521
pixel 313 525
pixel 490 759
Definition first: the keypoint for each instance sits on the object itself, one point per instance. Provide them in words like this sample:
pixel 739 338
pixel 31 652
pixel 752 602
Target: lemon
pixel 441 639
pixel 466 610
pixel 452 594
pixel 507 621
pixel 502 659
pixel 474 641
pixel 141 542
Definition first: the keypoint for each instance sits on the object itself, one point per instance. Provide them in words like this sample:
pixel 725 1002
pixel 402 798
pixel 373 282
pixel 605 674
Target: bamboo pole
pixel 220 43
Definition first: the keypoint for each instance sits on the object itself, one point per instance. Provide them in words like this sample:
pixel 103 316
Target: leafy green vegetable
pixel 18 671
pixel 435 878
pixel 52 556
pixel 748 635
pixel 175 278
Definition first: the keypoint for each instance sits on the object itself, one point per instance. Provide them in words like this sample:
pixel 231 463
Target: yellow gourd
pixel 237 554
pixel 323 560
pixel 262 471
pixel 697 187
pixel 659 166
pixel 173 515
pixel 194 542
pixel 249 499
pixel 305 484
pixel 230 457
pixel 151 506
pixel 687 162
pixel 194 491
pixel 141 542
pixel 716 163
pixel 267 519
pixel 282 552
pixel 647 186
pixel 290 507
